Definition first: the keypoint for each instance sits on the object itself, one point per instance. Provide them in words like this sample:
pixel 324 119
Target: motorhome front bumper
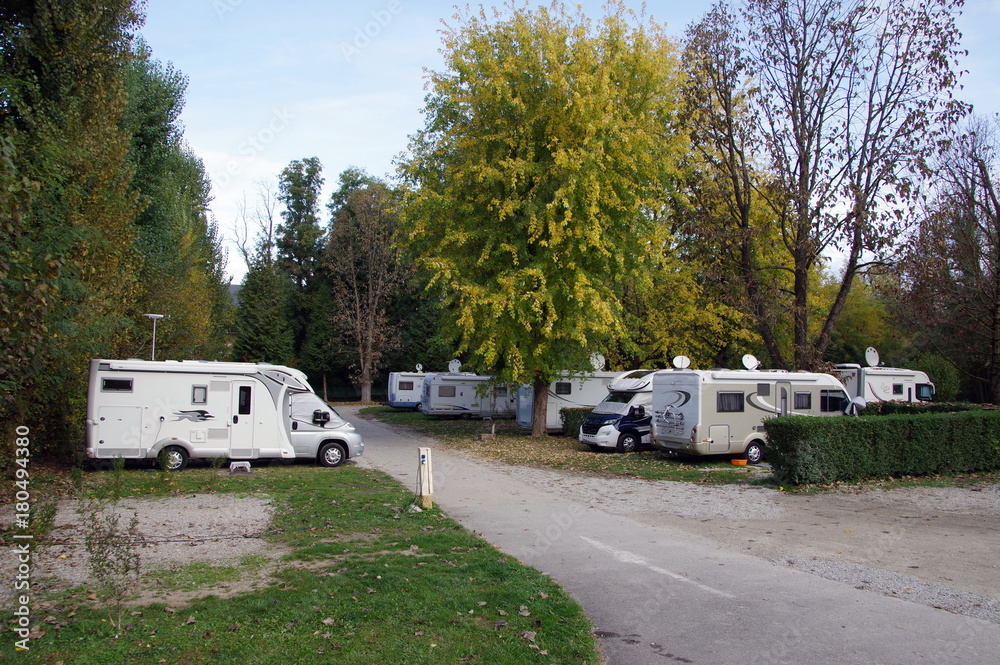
pixel 605 436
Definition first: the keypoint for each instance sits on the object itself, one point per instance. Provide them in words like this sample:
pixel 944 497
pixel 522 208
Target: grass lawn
pixel 366 581
pixel 513 446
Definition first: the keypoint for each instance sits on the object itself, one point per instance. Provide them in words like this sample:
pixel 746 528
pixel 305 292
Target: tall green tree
pixel 181 259
pixel 547 148
pixel 299 240
pixel 61 107
pixel 822 115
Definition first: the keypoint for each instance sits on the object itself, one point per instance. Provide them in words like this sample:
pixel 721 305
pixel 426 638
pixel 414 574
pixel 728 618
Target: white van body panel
pixel 885 384
pixel 405 389
pixel 242 411
pixel 459 394
pixel 710 412
pixel 571 390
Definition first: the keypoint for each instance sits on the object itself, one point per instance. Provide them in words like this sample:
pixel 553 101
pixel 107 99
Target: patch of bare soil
pixel 214 529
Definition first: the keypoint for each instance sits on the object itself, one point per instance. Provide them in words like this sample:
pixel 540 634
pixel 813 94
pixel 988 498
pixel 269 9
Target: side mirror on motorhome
pixel 321 418
pixel 639 412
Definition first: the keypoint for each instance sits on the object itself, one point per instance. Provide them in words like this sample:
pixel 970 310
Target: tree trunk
pixel 366 391
pixel 539 407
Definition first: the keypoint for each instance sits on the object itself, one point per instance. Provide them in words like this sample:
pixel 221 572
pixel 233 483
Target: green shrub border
pixel 805 450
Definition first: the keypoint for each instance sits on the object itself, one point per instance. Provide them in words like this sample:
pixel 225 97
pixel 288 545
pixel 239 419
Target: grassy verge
pixel 366 581
pixel 513 446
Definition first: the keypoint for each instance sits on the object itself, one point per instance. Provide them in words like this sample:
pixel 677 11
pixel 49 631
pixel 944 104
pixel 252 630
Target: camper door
pixel 241 432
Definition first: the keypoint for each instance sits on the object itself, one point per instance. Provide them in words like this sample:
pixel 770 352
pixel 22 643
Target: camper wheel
pixel 173 458
pixel 627 442
pixel 754 453
pixel 331 454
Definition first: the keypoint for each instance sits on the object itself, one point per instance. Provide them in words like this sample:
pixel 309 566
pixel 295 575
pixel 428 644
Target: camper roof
pixel 278 373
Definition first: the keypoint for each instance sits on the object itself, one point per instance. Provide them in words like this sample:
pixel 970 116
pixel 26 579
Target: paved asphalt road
pixel 658 596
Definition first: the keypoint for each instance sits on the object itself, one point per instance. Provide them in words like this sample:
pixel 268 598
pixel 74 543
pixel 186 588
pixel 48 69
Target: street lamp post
pixel 154 317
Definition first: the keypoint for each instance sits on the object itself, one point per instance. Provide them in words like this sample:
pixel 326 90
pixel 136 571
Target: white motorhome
pixel 405 388
pixel 884 384
pixel 571 390
pixel 721 411
pixel 463 394
pixel 621 420
pixel 174 411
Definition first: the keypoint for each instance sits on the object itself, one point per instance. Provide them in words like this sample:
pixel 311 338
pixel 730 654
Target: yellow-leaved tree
pixel 548 151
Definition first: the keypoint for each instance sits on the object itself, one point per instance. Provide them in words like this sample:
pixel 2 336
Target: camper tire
pixel 173 458
pixel 628 442
pixel 331 454
pixel 754 454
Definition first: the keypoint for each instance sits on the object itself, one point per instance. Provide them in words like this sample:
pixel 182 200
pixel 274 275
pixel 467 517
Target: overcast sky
pixel 344 81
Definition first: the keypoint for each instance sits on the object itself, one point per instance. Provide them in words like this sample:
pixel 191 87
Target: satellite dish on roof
pixel 420 368
pixel 597 362
pixel 454 366
pixel 750 361
pixel 871 356
pixel 681 362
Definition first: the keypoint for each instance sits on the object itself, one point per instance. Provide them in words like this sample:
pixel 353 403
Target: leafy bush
pixel 823 450
pixel 572 419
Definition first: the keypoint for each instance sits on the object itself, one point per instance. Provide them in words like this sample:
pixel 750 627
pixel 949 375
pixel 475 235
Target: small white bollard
pixel 425 479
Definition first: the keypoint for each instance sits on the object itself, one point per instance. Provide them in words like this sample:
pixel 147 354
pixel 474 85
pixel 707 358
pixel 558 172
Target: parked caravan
pixel 405 388
pixel 621 420
pixel 174 411
pixel 884 384
pixel 572 390
pixel 463 394
pixel 710 412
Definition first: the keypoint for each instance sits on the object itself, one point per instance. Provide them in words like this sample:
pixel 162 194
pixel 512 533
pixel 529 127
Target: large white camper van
pixel 405 388
pixel 884 384
pixel 174 411
pixel 621 420
pixel 463 394
pixel 571 390
pixel 721 411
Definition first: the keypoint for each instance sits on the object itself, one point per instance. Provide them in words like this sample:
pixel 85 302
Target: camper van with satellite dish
pixel 570 390
pixel 721 411
pixel 174 411
pixel 621 420
pixel 405 388
pixel 884 384
pixel 463 394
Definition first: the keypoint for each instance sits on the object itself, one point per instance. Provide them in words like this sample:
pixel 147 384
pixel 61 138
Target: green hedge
pixel 572 419
pixel 824 450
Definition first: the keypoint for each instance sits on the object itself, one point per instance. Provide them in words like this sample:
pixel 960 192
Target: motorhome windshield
pixel 619 397
pixel 304 404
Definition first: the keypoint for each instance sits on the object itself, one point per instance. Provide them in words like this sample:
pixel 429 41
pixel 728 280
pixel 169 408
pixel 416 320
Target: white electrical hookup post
pixel 425 479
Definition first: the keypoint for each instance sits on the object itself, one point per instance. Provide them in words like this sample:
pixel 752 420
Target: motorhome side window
pixel 564 388
pixel 764 389
pixel 831 400
pixel 803 401
pixel 116 385
pixel 924 392
pixel 730 402
pixel 244 405
pixel 446 391
pixel 199 394
pixel 897 389
pixel 406 385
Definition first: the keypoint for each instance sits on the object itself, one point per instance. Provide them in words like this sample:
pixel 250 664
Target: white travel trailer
pixel 721 412
pixel 621 420
pixel 174 411
pixel 572 390
pixel 405 388
pixel 463 394
pixel 884 384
